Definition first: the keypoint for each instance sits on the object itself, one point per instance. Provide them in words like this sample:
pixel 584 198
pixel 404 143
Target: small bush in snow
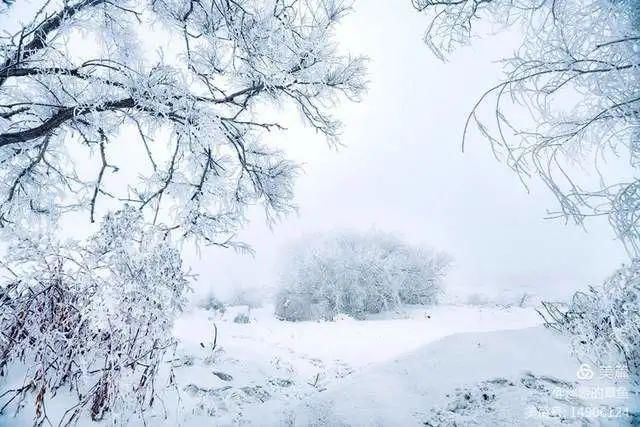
pixel 604 322
pixel 212 303
pixel 356 274
pixel 241 318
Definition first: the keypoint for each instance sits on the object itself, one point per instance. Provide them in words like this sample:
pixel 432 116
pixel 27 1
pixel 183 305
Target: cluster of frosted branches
pixel 604 322
pixel 187 83
pixel 577 77
pixel 90 320
pixel 356 274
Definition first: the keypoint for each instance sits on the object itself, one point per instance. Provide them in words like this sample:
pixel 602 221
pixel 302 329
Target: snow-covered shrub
pixel 91 320
pixel 241 318
pixel 212 303
pixel 355 274
pixel 604 322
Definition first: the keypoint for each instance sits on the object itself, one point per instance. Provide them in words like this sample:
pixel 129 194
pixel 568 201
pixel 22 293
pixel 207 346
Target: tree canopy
pixel 188 81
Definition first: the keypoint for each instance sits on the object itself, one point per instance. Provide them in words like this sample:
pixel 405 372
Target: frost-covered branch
pixel 85 76
pixel 571 93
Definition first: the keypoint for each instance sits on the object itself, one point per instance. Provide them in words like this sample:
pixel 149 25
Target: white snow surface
pixel 488 379
pixel 444 365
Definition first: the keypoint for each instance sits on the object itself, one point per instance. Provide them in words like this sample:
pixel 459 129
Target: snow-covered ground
pixel 501 378
pixel 446 365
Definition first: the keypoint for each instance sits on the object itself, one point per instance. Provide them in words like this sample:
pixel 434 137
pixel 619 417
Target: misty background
pixel 400 169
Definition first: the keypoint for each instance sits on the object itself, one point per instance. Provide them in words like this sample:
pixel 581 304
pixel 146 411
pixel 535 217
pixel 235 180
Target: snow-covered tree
pixel 187 83
pixel 355 274
pixel 147 117
pixel 571 93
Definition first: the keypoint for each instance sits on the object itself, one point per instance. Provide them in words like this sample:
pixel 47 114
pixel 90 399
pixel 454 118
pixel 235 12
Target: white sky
pixel 402 170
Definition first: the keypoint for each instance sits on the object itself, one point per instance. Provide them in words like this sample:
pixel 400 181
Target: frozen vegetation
pixel 132 130
pixel 356 274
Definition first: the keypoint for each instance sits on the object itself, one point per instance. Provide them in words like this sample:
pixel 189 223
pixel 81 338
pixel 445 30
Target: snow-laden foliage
pixel 91 320
pixel 604 322
pixel 356 274
pixel 186 86
pixel 571 93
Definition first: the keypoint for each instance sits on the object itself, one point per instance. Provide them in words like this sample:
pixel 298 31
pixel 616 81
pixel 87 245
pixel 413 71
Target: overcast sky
pixel 401 169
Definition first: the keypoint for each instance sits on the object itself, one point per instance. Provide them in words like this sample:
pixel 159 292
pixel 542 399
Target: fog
pixel 401 169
